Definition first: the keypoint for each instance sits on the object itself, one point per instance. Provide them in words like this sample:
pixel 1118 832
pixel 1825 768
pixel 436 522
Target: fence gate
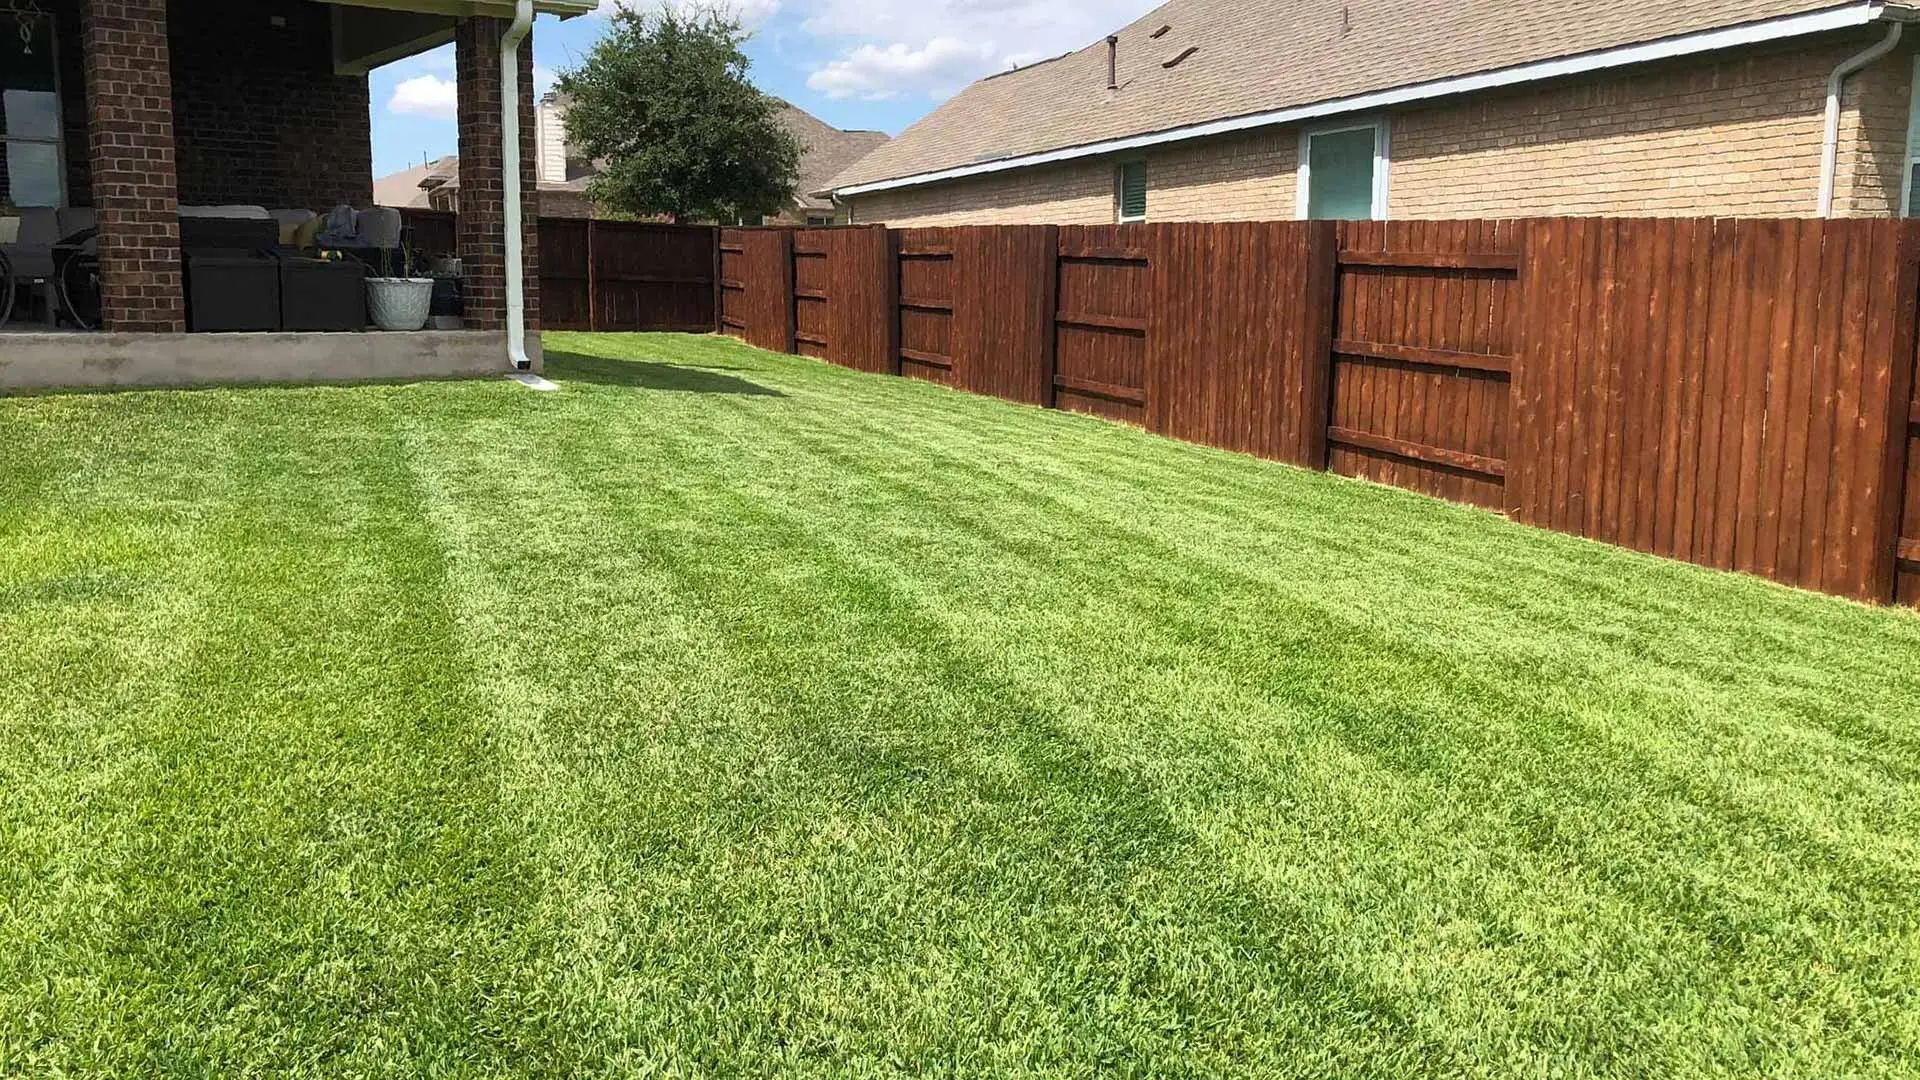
pixel 1423 355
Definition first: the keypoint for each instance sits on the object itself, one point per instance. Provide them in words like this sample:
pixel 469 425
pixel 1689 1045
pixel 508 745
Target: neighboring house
pixel 1273 109
pixel 825 152
pixel 564 175
pixel 436 186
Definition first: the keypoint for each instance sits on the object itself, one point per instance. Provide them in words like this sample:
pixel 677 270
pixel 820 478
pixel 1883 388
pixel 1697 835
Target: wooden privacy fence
pixel 626 275
pixel 605 275
pixel 1734 393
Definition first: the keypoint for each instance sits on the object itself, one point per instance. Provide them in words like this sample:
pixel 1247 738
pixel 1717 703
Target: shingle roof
pixel 1253 56
pixel 826 151
pixel 403 190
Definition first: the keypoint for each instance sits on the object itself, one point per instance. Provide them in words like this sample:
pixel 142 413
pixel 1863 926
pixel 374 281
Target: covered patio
pixel 132 128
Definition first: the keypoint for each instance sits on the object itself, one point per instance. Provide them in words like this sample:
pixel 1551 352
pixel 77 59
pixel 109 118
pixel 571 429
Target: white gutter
pixel 510 182
pixel 1830 143
pixel 1859 13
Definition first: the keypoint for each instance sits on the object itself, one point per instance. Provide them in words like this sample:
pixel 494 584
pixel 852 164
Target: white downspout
pixel 1830 148
pixel 510 181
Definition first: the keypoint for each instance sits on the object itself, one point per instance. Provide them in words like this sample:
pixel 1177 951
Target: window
pixel 1343 172
pixel 819 219
pixel 32 168
pixel 1130 192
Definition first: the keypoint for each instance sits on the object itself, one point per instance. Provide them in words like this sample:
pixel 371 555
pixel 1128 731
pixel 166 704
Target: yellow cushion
pixel 303 235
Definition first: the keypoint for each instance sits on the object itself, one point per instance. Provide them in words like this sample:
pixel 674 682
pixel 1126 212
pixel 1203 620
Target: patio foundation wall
pixel 31 361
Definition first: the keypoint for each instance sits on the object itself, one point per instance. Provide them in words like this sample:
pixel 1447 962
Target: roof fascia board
pixel 562 8
pixel 1787 26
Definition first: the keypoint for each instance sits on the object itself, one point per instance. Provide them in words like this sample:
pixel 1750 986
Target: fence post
pixel 593 293
pixel 1902 411
pixel 719 284
pixel 1320 298
pixel 787 328
pixel 1049 310
pixel 890 298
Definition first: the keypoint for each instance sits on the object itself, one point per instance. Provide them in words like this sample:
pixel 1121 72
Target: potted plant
pixel 397 299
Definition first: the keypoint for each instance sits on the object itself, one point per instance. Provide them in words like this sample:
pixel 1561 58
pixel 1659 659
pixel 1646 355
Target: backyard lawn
pixel 728 714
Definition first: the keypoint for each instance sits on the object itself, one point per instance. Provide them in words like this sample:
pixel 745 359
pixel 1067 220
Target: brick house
pixel 1268 109
pixel 564 174
pixel 136 108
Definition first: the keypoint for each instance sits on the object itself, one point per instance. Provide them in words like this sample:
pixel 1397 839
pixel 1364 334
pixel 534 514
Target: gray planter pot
pixel 399 303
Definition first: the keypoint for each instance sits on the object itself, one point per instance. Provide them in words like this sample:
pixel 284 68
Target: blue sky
pixel 854 63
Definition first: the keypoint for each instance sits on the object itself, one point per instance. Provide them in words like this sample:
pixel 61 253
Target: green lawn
pixel 727 714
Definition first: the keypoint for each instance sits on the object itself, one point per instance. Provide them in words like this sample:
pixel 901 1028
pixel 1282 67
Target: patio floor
pixel 730 714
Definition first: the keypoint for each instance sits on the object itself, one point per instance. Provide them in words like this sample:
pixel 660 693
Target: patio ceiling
pixel 369 33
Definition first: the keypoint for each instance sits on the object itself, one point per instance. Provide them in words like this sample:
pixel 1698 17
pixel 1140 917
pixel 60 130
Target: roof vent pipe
pixel 1113 61
pixel 1830 144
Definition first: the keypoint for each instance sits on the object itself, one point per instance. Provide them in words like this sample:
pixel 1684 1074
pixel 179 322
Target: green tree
pixel 662 105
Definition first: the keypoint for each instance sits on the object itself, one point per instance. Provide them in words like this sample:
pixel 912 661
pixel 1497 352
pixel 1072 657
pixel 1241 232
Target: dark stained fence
pixel 811 277
pixel 924 296
pixel 862 328
pixel 756 280
pixel 1237 357
pixel 648 276
pixel 1423 352
pixel 1907 542
pixel 566 274
pixel 431 232
pixel 1734 393
pixel 1102 304
pixel 626 275
pixel 1003 300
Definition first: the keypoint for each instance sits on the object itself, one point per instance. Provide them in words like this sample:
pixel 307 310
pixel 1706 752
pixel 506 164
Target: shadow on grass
pixel 579 367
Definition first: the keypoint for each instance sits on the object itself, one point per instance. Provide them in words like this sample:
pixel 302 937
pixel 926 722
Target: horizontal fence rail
pixel 1734 393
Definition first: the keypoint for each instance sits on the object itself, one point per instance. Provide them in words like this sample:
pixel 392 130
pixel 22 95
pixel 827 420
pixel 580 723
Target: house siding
pixel 1738 136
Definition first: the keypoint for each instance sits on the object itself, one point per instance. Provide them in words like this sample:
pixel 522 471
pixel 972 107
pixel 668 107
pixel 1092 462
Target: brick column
pixel 482 213
pixel 130 146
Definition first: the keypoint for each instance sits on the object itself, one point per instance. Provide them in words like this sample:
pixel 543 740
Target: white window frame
pixel 1382 129
pixel 1912 156
pixel 59 139
pixel 1120 190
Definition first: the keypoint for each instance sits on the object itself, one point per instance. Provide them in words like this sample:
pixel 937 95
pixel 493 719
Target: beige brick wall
pixel 1738 136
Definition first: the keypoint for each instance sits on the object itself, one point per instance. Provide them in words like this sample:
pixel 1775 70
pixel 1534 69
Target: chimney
pixel 1113 61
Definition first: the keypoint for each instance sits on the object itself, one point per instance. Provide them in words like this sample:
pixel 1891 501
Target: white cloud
pixel 940 67
pixel 883 55
pixel 425 95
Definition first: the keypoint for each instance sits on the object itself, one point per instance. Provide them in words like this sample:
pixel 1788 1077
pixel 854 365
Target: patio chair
pixel 6 289
pixel 32 257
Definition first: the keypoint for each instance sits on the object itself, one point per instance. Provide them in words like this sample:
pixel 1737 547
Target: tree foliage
pixel 663 107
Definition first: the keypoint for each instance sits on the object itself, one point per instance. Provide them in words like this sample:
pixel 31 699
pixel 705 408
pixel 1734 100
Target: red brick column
pixel 482 212
pixel 130 144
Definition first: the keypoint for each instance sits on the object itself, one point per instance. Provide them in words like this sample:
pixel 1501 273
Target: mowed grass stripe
pixel 777 720
pixel 1680 800
pixel 887 743
pixel 298 870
